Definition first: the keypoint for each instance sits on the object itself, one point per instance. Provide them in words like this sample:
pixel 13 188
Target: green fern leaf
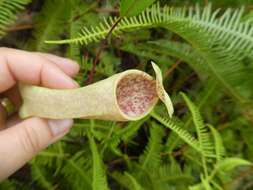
pixel 77 8
pixel 77 170
pixel 204 185
pixel 50 23
pixel 229 164
pixel 39 176
pixel 205 142
pixel 151 158
pixel 249 17
pixel 131 129
pixel 132 7
pixel 175 127
pixel 223 28
pixel 164 49
pixel 8 11
pixel 126 180
pixel 8 184
pixel 181 51
pixel 99 180
pixel 219 147
pixel 134 184
pixel 172 174
pixel 74 26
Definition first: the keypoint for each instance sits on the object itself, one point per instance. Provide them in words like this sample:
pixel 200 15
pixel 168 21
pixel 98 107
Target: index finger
pixel 27 67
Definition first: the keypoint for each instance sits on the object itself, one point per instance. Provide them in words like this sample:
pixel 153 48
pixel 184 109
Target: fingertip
pixel 68 66
pixel 74 66
pixel 53 77
pixel 59 127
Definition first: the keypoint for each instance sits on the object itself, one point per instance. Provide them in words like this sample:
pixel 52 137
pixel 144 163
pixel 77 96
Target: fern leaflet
pixel 205 142
pixel 183 134
pixel 99 178
pixel 219 147
pixel 134 184
pixel 151 158
pixel 8 11
pixel 53 16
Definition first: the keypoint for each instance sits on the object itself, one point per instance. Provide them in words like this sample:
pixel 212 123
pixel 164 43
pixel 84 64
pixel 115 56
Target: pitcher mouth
pixel 136 94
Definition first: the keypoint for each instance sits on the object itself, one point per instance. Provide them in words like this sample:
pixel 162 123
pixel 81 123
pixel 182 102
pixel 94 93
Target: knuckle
pixel 29 140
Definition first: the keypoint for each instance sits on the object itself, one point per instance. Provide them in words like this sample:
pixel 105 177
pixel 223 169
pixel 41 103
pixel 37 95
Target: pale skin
pixel 21 140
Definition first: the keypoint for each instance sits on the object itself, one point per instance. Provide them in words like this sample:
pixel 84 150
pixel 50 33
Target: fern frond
pixel 219 147
pixel 249 18
pixel 204 185
pixel 205 142
pixel 76 170
pixel 146 51
pixel 74 49
pixel 151 158
pixel 126 180
pixel 181 51
pixel 131 129
pixel 164 49
pixel 49 23
pixel 8 184
pixel 8 11
pixel 221 28
pixel 52 157
pixel 74 26
pixel 183 134
pixel 39 176
pixel 124 134
pixel 172 174
pixel 229 164
pixel 113 143
pixel 134 184
pixel 99 180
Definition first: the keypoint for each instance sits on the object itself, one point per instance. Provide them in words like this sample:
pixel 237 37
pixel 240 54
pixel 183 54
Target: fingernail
pixel 73 84
pixel 69 62
pixel 60 126
pixel 76 84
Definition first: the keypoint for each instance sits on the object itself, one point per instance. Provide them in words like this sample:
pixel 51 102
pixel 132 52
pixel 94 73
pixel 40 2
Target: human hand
pixel 20 140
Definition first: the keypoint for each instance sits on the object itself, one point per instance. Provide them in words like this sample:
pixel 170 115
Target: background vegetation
pixel 203 52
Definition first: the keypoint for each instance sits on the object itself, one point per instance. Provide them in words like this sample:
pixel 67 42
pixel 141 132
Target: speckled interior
pixel 135 94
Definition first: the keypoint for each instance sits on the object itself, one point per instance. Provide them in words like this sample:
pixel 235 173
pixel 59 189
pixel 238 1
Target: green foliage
pixel 218 145
pixel 54 15
pixel 203 50
pixel 202 131
pixel 175 126
pixel 8 13
pixel 133 8
pixel 151 159
pixel 134 183
pixel 98 178
pixel 210 35
pixel 39 176
pixel 230 163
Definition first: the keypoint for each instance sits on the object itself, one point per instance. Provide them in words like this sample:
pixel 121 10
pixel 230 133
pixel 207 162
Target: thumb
pixel 20 143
